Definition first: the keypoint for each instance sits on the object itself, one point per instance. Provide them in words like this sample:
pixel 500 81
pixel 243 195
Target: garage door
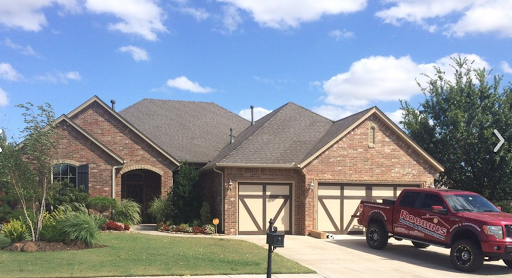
pixel 338 204
pixel 257 203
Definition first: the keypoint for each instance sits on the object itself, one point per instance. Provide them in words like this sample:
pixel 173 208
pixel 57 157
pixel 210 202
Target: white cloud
pixel 198 14
pixel 9 73
pixel 4 101
pixel 57 77
pixel 230 18
pixel 471 16
pixel 396 116
pixel 183 83
pixel 505 67
pixel 333 112
pixel 139 17
pixel 28 15
pixel 380 78
pixel 291 13
pixel 138 54
pixel 25 50
pixel 259 112
pixel 337 34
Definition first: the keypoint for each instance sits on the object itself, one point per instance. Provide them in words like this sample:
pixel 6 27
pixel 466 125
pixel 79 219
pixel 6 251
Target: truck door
pixel 433 224
pixel 406 206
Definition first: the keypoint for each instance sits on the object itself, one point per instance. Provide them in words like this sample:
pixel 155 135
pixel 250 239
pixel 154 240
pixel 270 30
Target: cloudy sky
pixel 331 56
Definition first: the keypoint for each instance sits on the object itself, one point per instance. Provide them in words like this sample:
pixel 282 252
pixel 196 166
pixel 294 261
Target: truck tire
pixel 508 263
pixel 420 245
pixel 376 236
pixel 466 255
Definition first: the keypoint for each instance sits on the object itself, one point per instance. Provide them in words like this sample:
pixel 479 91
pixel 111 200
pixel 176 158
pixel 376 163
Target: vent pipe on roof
pixel 231 137
pixel 252 114
pixel 113 104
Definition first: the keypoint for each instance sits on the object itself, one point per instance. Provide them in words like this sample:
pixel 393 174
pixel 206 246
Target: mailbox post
pixel 274 240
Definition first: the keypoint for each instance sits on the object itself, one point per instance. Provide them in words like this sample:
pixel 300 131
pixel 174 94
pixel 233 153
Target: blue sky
pixel 331 56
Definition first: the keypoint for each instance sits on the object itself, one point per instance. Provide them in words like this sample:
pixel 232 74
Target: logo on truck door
pixel 423 225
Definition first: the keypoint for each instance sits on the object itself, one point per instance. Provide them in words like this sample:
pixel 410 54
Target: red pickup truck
pixel 466 222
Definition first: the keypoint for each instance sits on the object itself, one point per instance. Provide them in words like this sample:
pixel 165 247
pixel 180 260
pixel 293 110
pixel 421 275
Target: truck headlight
pixel 496 231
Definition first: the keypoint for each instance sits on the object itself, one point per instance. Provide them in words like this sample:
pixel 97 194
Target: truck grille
pixel 508 228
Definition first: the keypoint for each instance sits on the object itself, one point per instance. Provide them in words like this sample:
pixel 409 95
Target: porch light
pixel 311 185
pixel 230 185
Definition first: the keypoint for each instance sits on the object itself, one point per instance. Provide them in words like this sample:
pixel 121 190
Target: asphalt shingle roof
pixel 188 130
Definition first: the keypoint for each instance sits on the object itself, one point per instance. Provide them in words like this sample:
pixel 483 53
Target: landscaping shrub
pixel 115 226
pixel 127 211
pixel 79 227
pixel 102 204
pixel 64 192
pixel 186 195
pixel 50 230
pixel 160 208
pixel 197 230
pixel 205 213
pixel 15 230
pixel 209 229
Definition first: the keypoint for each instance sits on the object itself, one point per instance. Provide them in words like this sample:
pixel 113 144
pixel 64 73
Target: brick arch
pixel 141 167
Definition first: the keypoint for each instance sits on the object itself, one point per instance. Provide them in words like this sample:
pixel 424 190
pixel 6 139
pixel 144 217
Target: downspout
pixel 222 200
pixel 114 179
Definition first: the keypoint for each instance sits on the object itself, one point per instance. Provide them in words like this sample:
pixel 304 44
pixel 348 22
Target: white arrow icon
pixel 501 141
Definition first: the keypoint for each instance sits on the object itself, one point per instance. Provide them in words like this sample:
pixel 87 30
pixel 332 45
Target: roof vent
pixel 113 101
pixel 231 137
pixel 252 115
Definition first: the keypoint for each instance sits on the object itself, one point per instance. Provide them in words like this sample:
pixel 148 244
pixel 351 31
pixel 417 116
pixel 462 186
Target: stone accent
pixel 29 247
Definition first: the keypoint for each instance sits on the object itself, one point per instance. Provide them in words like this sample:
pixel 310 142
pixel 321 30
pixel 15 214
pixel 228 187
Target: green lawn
pixel 131 254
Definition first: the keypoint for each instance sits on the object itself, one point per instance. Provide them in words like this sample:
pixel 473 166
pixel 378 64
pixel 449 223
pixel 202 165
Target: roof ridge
pixel 275 112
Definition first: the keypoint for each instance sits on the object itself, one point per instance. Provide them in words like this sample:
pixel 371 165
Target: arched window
pixel 65 172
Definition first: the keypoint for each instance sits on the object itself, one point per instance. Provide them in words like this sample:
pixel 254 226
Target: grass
pixel 131 254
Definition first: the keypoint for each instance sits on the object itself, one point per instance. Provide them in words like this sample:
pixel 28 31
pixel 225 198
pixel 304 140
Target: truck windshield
pixel 469 203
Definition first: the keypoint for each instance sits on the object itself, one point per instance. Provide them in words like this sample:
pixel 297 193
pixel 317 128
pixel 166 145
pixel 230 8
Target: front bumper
pixel 497 250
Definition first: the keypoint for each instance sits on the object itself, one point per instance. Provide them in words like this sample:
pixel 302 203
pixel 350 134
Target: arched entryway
pixel 142 186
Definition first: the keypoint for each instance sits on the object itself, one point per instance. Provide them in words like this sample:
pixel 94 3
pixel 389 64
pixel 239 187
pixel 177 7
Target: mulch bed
pixel 43 246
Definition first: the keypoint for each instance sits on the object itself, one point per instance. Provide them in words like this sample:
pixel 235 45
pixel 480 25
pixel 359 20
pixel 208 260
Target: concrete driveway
pixel 349 256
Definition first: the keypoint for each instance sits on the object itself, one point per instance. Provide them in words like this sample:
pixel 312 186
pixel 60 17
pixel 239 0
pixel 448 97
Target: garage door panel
pixel 259 202
pixel 328 190
pixel 354 191
pixel 329 215
pixel 383 191
pixel 350 207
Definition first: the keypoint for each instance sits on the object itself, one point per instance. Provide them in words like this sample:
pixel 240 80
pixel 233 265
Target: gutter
pixel 222 195
pixel 114 179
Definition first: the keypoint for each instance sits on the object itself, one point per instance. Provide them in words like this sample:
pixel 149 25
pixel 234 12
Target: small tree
pixel 28 165
pixel 186 195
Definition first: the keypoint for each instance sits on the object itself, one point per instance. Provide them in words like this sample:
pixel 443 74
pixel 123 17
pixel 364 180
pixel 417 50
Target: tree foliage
pixel 186 195
pixel 27 166
pixel 455 124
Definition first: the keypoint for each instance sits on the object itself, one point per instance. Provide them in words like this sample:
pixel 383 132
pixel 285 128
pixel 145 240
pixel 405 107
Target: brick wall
pixel 119 138
pixel 354 159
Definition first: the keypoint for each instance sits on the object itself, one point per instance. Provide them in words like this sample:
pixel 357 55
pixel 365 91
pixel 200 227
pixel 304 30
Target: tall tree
pixel 186 195
pixel 456 123
pixel 28 165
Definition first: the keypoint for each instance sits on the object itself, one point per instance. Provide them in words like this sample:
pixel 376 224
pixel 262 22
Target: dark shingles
pixel 192 131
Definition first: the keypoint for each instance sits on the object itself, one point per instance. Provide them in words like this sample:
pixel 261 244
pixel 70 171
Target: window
pixel 409 199
pixel 64 172
pixel 431 200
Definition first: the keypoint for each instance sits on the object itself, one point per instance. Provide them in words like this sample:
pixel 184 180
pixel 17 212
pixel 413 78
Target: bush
pixel 115 226
pixel 15 230
pixel 128 211
pixel 64 192
pixel 50 230
pixel 79 227
pixel 102 204
pixel 205 213
pixel 160 208
pixel 209 229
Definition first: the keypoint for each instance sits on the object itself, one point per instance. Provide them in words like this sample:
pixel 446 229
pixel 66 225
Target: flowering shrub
pixel 15 230
pixel 126 227
pixel 189 230
pixel 114 226
pixel 197 230
pixel 208 229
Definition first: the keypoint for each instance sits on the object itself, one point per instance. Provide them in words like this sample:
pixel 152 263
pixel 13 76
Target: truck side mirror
pixel 439 209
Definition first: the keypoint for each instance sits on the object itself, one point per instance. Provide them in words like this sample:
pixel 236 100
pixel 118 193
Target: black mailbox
pixel 274 239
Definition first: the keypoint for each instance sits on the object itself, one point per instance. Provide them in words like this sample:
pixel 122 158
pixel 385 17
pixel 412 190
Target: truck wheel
pixel 466 255
pixel 376 236
pixel 420 245
pixel 508 263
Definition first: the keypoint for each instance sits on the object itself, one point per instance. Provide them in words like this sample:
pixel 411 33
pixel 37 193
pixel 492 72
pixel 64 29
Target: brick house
pixel 293 165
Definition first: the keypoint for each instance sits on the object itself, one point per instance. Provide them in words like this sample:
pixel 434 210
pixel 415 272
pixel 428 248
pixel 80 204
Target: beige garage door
pixel 257 203
pixel 338 204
